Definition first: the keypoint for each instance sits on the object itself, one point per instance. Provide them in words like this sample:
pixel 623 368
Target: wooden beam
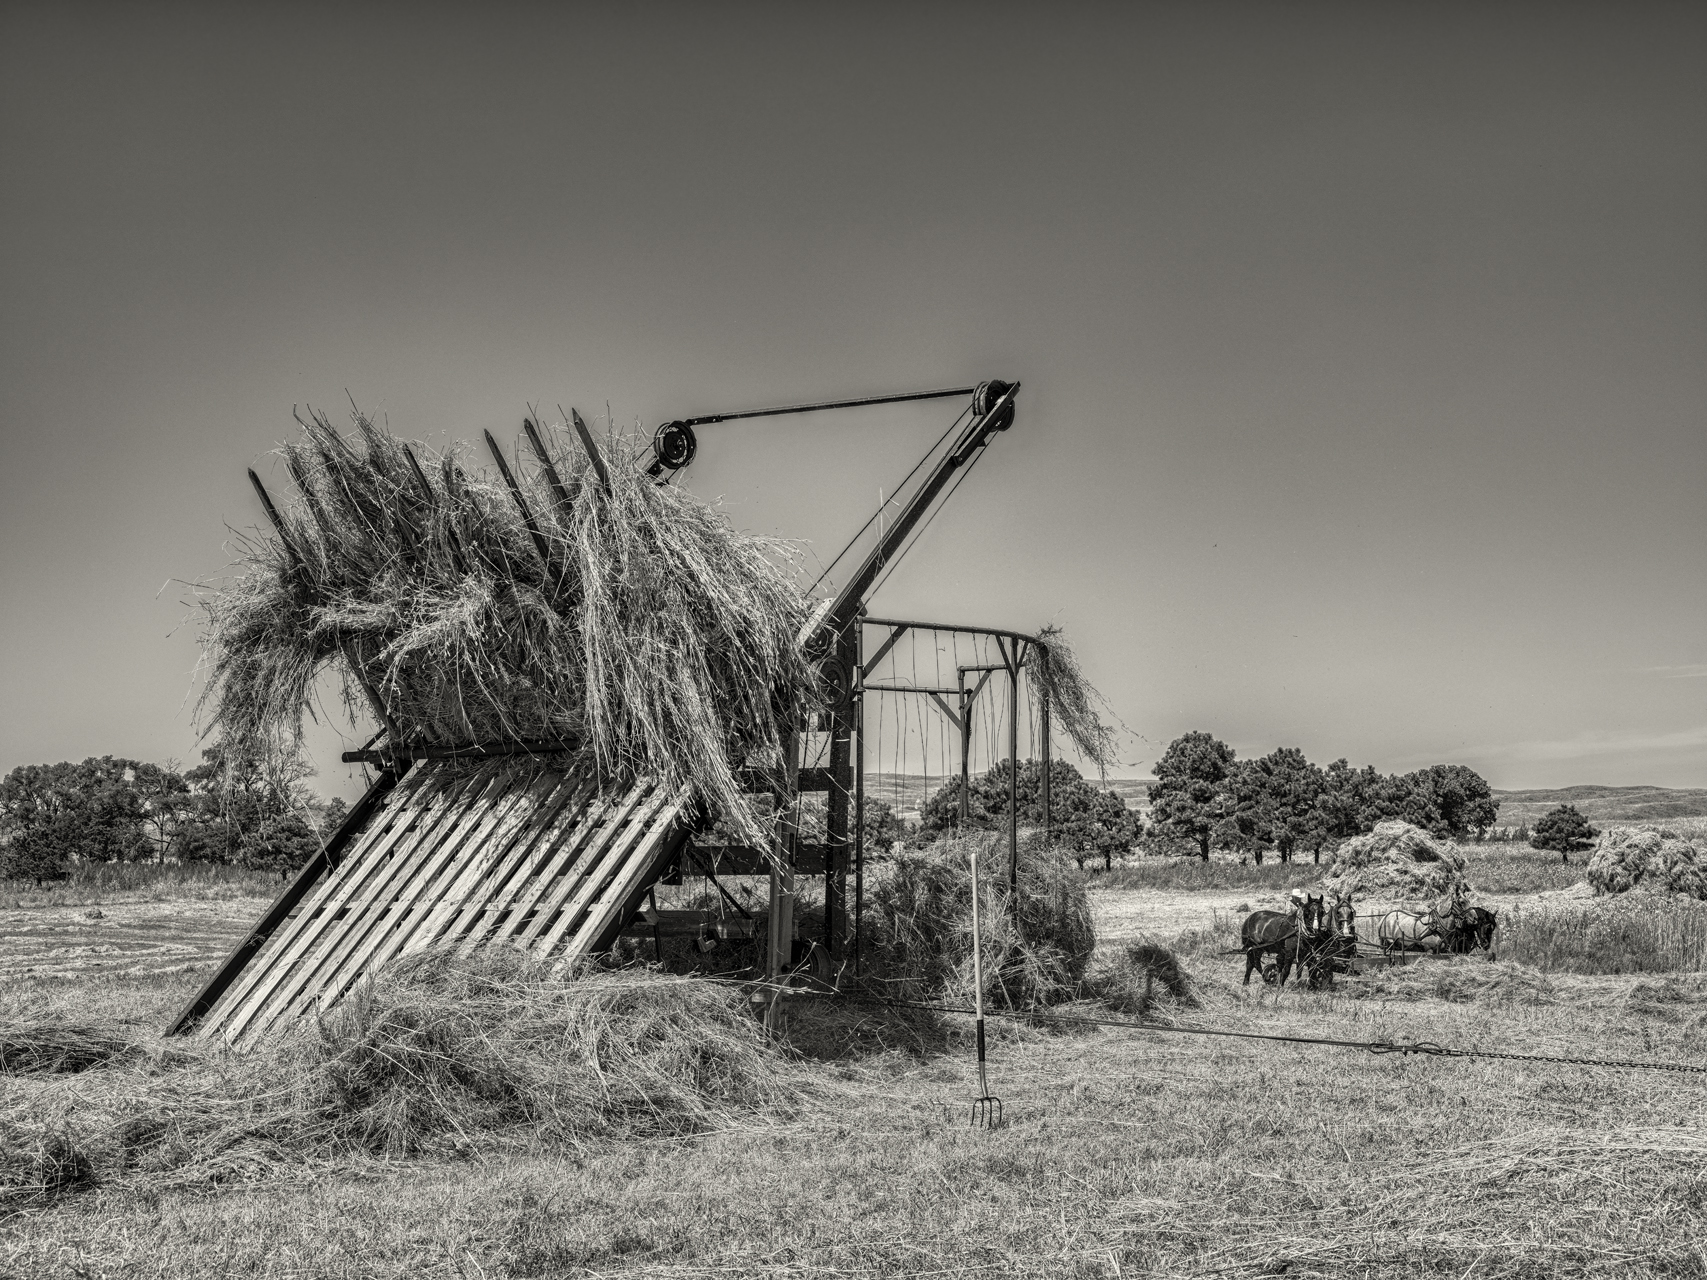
pixel 953 716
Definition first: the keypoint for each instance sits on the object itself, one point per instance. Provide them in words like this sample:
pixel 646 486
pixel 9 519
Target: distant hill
pixel 1604 804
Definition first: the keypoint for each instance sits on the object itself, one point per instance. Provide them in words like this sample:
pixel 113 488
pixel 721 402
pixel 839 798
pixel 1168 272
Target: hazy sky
pixel 1364 347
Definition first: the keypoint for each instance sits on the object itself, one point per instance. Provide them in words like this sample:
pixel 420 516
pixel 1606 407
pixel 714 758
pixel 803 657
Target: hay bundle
pixel 1396 861
pixel 633 618
pixel 1647 859
pixel 1055 669
pixel 1035 948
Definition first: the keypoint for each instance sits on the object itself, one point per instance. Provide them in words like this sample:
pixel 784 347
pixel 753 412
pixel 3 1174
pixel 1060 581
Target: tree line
pixel 1205 796
pixel 232 808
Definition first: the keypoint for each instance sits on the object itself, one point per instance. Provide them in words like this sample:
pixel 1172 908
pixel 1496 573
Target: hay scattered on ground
pixel 40 1045
pixel 1055 670
pixel 1144 976
pixel 1647 860
pixel 1460 979
pixel 649 628
pixel 1035 950
pixel 1396 861
pixel 438 1056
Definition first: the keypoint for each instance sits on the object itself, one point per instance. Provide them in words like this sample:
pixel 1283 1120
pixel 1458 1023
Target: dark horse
pixel 1293 939
pixel 1473 931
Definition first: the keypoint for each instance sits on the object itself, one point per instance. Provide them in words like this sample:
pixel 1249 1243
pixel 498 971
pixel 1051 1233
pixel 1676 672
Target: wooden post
pixel 965 750
pixel 1013 775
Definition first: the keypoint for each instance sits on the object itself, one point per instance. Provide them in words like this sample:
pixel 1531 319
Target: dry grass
pixel 91 883
pixel 648 628
pixel 1640 934
pixel 1125 1154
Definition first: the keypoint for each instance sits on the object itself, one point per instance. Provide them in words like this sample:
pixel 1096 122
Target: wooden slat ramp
pixel 514 854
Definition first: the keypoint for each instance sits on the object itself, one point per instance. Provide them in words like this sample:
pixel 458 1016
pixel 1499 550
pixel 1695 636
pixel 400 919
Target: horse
pixel 1412 931
pixel 1475 931
pixel 1291 938
pixel 1341 949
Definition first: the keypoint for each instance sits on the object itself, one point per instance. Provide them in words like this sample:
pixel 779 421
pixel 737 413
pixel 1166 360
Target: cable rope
pixel 882 506
pixel 914 540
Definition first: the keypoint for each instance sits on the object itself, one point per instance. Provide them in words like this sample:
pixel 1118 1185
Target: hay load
pixel 1396 861
pixel 1035 950
pixel 1647 860
pixel 558 604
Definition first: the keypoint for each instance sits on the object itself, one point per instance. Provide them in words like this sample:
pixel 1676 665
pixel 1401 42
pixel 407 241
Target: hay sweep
pixel 1396 861
pixel 649 629
pixel 1648 860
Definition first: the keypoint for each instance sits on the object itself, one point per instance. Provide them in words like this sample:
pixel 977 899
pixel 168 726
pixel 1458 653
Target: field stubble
pixel 1126 1153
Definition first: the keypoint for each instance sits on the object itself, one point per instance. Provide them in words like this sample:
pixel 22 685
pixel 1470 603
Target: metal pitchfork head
pixel 986 1108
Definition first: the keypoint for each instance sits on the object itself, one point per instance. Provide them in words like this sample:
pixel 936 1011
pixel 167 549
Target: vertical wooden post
pixel 1013 774
pixel 780 935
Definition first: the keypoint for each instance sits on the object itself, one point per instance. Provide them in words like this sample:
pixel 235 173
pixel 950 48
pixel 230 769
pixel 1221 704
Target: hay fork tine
pixel 986 1110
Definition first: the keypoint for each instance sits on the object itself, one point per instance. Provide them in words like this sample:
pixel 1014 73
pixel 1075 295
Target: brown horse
pixel 1293 939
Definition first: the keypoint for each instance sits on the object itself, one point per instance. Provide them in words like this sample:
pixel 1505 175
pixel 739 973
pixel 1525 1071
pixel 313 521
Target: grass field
pixel 1125 1153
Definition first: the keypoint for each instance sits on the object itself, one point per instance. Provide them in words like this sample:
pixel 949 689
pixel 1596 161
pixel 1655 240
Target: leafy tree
pixel 1191 797
pixel 1564 830
pixel 883 826
pixel 1084 820
pixel 59 814
pixel 1283 789
pixel 248 813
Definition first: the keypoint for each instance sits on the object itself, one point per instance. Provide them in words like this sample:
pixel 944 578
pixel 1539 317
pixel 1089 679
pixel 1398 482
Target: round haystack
pixel 1396 861
pixel 1648 860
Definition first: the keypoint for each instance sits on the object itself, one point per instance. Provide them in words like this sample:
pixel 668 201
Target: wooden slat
pixel 604 915
pixel 579 885
pixel 536 911
pixel 506 864
pixel 349 953
pixel 603 867
pixel 275 962
pixel 544 858
pixel 331 918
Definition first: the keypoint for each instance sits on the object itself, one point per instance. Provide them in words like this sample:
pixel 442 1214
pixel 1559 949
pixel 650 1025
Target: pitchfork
pixel 986 1109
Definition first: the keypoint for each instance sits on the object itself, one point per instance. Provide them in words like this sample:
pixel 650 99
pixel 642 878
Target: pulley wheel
pixel 675 445
pixel 838 684
pixel 984 399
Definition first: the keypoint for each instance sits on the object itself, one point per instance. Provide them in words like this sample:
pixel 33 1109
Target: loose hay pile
pixel 1647 860
pixel 1035 951
pixel 1055 670
pixel 1396 861
pixel 437 1056
pixel 633 618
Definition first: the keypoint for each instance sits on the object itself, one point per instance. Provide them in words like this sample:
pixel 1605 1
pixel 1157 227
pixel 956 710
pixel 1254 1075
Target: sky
pixel 1363 348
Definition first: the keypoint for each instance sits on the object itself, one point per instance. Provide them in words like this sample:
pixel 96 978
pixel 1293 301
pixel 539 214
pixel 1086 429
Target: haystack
pixel 1648 860
pixel 1035 948
pixel 1394 862
pixel 620 613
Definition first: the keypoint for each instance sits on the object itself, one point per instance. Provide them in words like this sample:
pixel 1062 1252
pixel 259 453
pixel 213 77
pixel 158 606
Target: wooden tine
pixel 591 448
pixel 551 476
pixel 522 505
pixel 456 555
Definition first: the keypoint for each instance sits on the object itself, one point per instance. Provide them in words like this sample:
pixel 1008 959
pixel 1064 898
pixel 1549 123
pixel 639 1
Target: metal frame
pixel 1013 646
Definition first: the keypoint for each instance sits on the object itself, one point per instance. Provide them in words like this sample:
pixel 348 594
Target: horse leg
pixel 1252 959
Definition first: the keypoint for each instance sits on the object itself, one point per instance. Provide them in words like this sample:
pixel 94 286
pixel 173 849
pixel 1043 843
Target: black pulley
pixel 838 684
pixel 984 399
pixel 675 446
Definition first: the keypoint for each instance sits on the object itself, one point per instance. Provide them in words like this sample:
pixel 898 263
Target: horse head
pixel 1345 916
